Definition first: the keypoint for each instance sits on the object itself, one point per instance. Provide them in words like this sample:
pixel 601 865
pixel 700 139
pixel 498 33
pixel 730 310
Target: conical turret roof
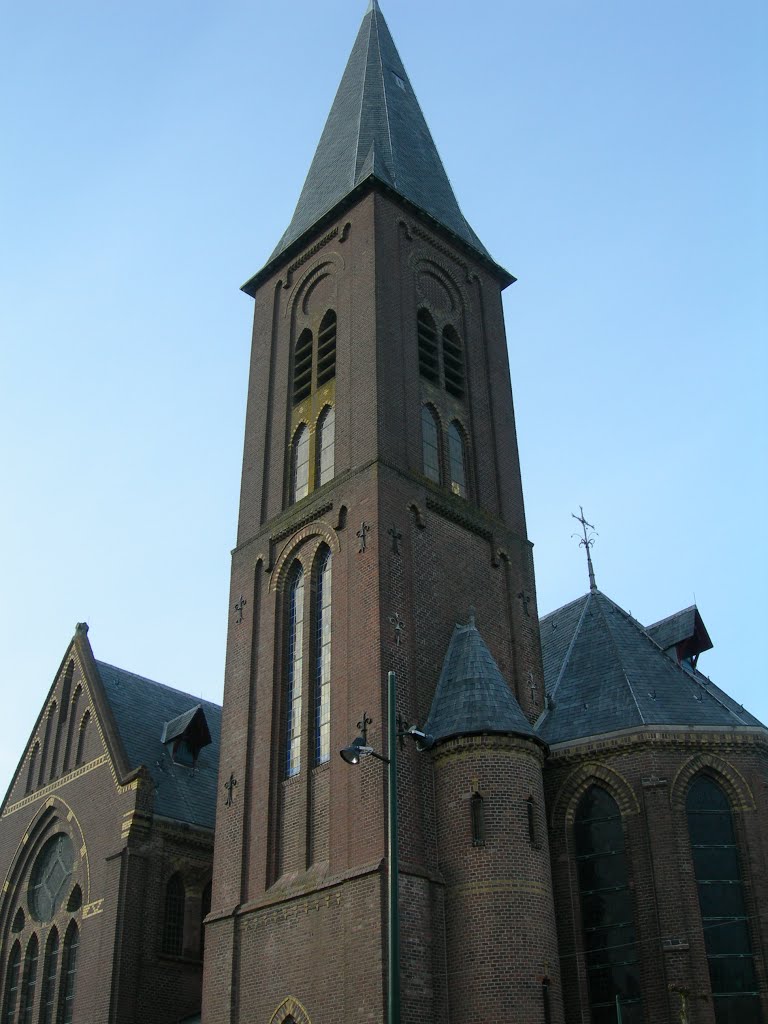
pixel 472 696
pixel 376 130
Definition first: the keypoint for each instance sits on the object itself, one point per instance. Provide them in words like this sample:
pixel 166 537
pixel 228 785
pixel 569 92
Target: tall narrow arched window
pixel 50 970
pixel 73 724
pixel 326 349
pixel 430 444
pixel 29 981
pixel 12 985
pixel 295 670
pixel 606 910
pixel 302 367
pixel 457 459
pixel 426 335
pixel 323 661
pixel 81 739
pixel 46 753
pixel 66 686
pixel 205 909
pixel 300 464
pixel 453 363
pixel 68 975
pixel 721 901
pixel 54 766
pixel 173 916
pixel 325 444
pixel 32 766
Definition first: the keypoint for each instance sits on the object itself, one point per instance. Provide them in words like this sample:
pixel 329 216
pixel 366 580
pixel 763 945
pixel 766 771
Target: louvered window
pixel 302 367
pixel 50 968
pixel 430 442
pixel 295 664
pixel 606 910
pixel 721 901
pixel 173 917
pixel 326 349
pixel 68 975
pixel 323 661
pixel 427 338
pixel 453 363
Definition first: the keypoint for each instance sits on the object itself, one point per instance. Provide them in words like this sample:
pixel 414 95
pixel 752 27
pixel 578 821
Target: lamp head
pixel 355 751
pixel 423 740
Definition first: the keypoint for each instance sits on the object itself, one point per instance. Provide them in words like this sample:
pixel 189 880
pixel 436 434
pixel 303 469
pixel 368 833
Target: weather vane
pixel 586 542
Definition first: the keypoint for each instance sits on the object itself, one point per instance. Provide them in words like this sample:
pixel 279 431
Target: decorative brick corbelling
pixel 724 773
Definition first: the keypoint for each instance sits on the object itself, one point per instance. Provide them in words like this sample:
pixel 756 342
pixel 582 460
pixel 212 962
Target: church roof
pixel 605 672
pixel 376 130
pixel 142 710
pixel 472 696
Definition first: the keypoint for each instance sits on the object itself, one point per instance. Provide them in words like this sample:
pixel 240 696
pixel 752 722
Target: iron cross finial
pixel 586 541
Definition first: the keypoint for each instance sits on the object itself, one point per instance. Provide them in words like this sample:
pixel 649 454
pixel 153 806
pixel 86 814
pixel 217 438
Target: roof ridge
pixel 619 657
pixel 664 618
pixel 576 631
pixel 562 607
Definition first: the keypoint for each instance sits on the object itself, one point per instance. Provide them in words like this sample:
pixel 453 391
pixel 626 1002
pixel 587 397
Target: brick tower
pixel 381 501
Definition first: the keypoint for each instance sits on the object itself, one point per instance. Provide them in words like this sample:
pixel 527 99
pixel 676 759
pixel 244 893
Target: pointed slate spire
pixel 376 130
pixel 472 696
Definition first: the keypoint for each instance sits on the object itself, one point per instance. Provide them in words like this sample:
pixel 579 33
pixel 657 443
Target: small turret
pixel 492 843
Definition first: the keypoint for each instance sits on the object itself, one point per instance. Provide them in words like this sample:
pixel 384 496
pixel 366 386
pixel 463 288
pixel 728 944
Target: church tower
pixel 381 505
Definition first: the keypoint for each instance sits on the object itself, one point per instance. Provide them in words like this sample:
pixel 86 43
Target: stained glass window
pixel 50 877
pixel 295 661
pixel 68 975
pixel 12 985
pixel 173 917
pixel 50 968
pixel 606 908
pixel 300 467
pixel 430 441
pixel 326 438
pixel 457 459
pixel 323 661
pixel 29 981
pixel 721 901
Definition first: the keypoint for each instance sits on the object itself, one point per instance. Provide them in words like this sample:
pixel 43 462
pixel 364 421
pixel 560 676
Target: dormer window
pixel 184 737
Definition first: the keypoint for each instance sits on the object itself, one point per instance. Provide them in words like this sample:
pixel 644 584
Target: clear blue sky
pixel 611 155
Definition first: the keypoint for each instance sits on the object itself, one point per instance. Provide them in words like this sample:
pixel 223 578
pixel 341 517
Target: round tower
pixel 493 853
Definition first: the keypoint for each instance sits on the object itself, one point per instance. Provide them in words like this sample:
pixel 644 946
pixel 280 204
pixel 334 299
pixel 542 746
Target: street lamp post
pixel 352 755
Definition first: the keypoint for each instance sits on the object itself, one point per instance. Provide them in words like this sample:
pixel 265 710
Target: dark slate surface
pixel 605 672
pixel 376 128
pixel 178 726
pixel 141 708
pixel 472 696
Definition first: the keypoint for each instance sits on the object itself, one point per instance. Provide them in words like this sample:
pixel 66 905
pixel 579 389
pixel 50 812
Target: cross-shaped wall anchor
pixel 239 608
pixel 525 597
pixel 399 625
pixel 362 535
pixel 230 788
pixel 396 536
pixel 532 686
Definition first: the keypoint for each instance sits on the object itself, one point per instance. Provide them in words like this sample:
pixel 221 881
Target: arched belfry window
pixel 300 464
pixel 430 444
pixel 326 349
pixel 29 981
pixel 323 660
pixel 12 985
pixel 457 459
pixel 453 363
pixel 68 975
pixel 721 901
pixel 325 442
pixel 50 970
pixel 294 670
pixel 173 916
pixel 302 367
pixel 426 334
pixel 606 910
